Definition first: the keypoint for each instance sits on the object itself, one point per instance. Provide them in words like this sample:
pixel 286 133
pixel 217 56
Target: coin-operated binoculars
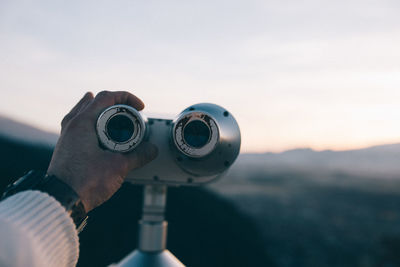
pixel 195 148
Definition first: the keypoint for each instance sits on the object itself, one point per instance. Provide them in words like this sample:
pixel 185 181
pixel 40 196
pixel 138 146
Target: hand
pixel 78 160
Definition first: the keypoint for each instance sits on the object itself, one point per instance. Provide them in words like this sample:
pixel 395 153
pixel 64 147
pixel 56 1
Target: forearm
pixel 36 230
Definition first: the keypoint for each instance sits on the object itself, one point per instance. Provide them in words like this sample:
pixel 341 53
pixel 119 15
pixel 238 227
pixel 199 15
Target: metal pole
pixel 152 250
pixel 152 227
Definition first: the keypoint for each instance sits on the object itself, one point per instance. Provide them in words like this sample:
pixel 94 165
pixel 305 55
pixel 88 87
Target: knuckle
pixel 103 94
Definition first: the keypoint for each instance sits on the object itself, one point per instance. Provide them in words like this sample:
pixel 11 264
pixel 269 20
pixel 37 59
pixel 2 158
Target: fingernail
pixel 88 94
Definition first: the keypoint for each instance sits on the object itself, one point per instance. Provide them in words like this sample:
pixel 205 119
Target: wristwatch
pixel 50 184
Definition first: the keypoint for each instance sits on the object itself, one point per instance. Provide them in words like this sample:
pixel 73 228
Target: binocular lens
pixel 120 128
pixel 196 134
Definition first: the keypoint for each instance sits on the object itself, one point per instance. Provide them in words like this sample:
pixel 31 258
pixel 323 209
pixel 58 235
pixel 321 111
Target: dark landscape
pixel 297 208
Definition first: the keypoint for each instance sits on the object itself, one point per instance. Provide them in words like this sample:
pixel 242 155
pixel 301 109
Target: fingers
pixel 105 99
pixel 142 155
pixel 77 108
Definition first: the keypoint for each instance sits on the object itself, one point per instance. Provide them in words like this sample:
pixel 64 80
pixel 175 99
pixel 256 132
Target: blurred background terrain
pixel 297 208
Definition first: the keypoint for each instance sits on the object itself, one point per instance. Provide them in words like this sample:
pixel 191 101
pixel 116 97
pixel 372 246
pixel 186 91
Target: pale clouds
pixel 295 73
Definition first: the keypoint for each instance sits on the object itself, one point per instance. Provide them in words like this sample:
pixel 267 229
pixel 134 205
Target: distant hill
pixel 18 131
pixel 378 161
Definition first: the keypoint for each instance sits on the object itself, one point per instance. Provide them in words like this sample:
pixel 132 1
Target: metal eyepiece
pixel 195 134
pixel 206 138
pixel 120 128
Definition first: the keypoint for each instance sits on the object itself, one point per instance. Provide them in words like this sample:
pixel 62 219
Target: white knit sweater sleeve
pixel 35 230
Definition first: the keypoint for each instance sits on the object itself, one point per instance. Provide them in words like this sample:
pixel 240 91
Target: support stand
pixel 152 250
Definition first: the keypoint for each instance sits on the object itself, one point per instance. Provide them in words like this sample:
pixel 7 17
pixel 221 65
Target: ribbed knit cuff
pixel 47 223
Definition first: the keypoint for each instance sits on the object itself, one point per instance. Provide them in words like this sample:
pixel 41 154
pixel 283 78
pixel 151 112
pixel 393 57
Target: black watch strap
pixel 63 193
pixel 68 198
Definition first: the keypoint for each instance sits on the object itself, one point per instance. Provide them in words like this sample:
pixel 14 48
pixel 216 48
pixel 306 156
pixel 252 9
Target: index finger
pixel 105 99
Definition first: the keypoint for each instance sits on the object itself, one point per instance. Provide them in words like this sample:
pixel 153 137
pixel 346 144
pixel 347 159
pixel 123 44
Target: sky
pixel 319 74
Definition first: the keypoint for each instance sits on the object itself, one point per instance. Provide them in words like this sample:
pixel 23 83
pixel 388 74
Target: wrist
pixel 58 189
pixel 67 197
pixel 68 179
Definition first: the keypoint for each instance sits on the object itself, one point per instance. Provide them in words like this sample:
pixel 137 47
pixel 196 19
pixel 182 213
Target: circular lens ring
pixel 119 110
pixel 179 134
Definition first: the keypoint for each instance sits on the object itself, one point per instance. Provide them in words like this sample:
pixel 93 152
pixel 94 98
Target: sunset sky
pixel 320 74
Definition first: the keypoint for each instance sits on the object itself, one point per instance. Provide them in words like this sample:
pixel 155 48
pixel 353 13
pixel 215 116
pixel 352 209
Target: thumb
pixel 142 154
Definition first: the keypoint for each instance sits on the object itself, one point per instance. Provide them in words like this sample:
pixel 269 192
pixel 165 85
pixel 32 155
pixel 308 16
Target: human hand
pixel 78 160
